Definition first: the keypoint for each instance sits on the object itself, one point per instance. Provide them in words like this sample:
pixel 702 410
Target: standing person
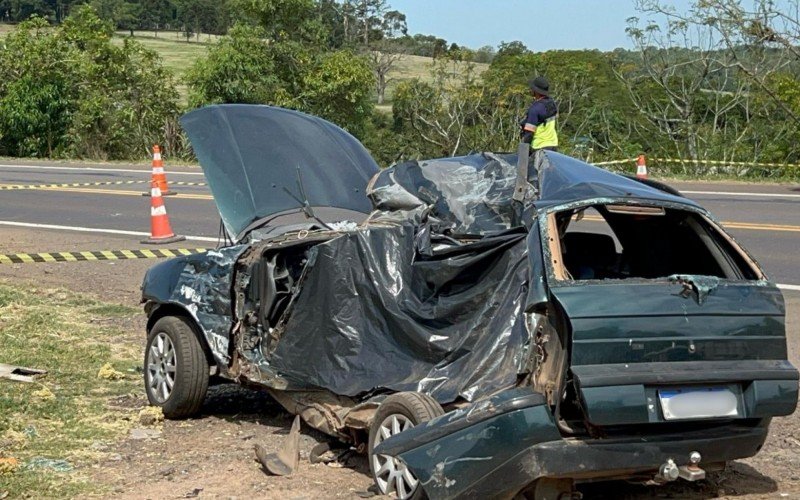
pixel 539 126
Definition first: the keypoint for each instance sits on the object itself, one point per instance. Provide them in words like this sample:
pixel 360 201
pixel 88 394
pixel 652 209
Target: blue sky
pixel 540 25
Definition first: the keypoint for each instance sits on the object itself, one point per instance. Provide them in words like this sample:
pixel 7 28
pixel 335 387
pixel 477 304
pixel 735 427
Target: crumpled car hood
pixel 251 156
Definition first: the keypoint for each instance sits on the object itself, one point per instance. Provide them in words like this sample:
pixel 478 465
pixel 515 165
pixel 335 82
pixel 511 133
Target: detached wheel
pixel 176 371
pixel 397 413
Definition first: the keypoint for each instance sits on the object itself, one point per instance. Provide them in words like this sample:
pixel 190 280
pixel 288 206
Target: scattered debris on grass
pixel 19 373
pixel 8 465
pixel 47 429
pixel 44 394
pixel 108 372
pixel 151 415
pixel 54 464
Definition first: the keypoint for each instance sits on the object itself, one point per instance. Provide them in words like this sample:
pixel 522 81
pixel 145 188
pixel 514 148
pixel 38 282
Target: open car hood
pixel 254 157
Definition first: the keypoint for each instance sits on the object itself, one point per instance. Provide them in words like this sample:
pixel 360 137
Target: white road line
pixel 96 169
pixel 734 193
pixel 195 238
pixel 93 230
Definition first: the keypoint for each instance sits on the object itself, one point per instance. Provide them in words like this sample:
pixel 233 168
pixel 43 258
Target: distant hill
pixel 179 55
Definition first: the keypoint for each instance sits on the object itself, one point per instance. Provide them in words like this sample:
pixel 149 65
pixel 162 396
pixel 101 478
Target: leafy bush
pixel 69 92
pixel 249 67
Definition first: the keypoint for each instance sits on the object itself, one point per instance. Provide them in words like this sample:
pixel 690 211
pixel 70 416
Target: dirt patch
pixel 212 455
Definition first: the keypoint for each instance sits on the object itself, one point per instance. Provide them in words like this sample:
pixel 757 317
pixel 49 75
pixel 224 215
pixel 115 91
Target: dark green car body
pixel 589 326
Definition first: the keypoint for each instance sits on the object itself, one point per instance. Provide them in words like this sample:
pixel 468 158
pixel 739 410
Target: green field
pixel 179 55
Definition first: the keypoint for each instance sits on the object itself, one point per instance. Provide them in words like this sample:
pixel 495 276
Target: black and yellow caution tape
pixel 700 163
pixel 158 253
pixel 10 187
pixel 725 163
pixel 614 162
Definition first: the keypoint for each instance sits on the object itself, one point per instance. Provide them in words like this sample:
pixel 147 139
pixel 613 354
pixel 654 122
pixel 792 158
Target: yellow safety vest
pixel 545 135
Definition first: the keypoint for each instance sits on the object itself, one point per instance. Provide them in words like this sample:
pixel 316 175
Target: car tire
pixel 397 413
pixel 176 370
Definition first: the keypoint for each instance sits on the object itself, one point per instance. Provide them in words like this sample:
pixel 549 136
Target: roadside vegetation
pixel 53 430
pixel 717 82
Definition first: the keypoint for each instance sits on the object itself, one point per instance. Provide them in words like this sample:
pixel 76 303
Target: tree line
pixel 716 82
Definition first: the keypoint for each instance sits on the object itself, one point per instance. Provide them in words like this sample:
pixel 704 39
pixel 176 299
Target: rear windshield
pixel 623 241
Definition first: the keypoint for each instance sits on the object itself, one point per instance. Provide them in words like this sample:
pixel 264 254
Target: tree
pixel 338 88
pixel 296 20
pixel 484 54
pixel 695 86
pixel 247 67
pixel 381 49
pixel 240 68
pixel 156 14
pixel 68 91
pixel 440 113
pixel 120 13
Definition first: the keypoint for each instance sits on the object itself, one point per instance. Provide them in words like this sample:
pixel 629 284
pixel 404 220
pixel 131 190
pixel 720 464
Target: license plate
pixel 704 402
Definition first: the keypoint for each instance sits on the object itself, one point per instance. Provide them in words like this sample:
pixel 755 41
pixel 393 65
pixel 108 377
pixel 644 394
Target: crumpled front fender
pixel 201 285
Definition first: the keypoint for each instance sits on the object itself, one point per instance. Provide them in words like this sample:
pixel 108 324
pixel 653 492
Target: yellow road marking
pixel 761 227
pixel 122 192
pixel 754 226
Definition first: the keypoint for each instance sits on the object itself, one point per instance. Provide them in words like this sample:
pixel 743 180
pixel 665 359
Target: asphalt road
pixel 764 217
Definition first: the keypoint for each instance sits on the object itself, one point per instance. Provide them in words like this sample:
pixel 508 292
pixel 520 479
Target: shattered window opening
pixel 616 242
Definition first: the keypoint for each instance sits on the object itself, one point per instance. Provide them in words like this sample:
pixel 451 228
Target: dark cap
pixel 540 85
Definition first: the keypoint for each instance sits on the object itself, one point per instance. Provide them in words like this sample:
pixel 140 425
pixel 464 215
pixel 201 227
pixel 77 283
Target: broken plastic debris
pixel 55 464
pixel 19 373
pixel 286 460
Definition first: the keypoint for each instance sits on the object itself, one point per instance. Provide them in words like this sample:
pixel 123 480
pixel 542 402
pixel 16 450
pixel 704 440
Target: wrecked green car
pixel 485 327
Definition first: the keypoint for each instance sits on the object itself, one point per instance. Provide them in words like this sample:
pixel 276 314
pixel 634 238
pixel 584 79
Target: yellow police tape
pixel 10 187
pixel 700 163
pixel 159 253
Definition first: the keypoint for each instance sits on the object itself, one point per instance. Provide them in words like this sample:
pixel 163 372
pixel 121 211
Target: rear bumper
pixel 607 459
pixel 498 447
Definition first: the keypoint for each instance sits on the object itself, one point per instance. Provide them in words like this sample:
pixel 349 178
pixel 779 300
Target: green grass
pixel 178 55
pixel 65 414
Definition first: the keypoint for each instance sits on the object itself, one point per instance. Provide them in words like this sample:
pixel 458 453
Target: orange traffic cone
pixel 159 176
pixel 160 230
pixel 641 168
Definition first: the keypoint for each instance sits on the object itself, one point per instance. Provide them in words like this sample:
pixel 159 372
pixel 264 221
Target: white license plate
pixel 705 402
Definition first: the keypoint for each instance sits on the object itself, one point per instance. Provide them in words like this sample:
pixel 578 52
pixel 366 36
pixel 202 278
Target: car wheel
pixel 397 413
pixel 175 368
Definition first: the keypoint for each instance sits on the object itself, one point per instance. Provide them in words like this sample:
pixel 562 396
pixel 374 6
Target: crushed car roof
pixel 564 179
pixel 262 160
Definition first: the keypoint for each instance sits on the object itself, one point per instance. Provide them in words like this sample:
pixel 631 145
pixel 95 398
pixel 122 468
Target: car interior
pixel 605 242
